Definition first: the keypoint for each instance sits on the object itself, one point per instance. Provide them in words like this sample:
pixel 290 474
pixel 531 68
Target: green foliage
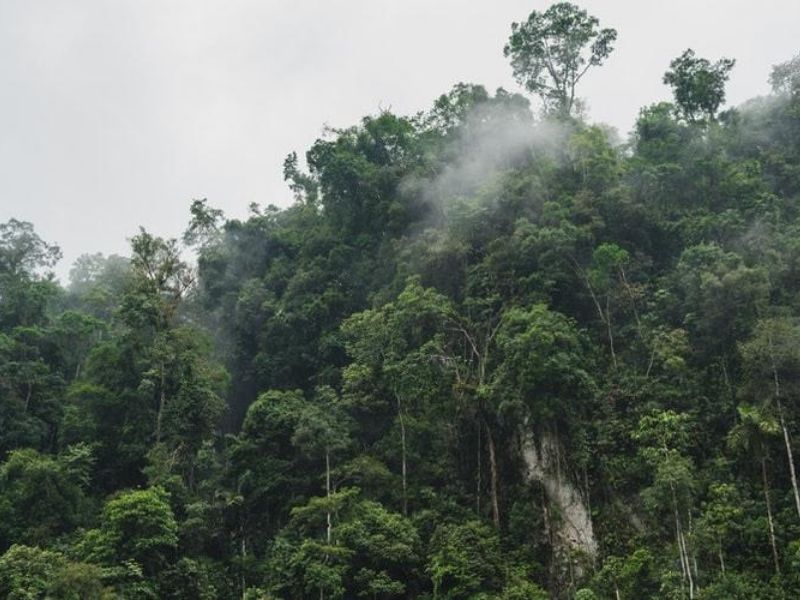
pixel 465 561
pixel 28 573
pixel 22 251
pixel 483 355
pixel 628 577
pixel 43 496
pixel 188 578
pixel 698 85
pixel 136 526
pixel 544 362
pixel 785 77
pixel 385 551
pixel 552 50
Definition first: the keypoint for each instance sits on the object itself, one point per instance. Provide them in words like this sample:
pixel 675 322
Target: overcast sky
pixel 116 113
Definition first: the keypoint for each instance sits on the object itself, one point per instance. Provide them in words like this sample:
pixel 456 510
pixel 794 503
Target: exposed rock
pixel 570 522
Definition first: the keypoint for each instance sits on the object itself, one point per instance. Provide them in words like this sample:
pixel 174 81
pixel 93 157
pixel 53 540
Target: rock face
pixel 570 521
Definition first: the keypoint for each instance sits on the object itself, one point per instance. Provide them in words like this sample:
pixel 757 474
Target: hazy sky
pixel 116 113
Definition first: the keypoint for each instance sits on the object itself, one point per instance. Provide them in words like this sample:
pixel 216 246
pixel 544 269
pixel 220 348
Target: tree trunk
pixel 28 394
pixel 683 556
pixel 633 303
pixel 694 555
pixel 404 466
pixel 605 318
pixel 243 554
pixel 725 378
pixel 721 556
pixel 480 473
pixel 790 456
pixel 769 515
pixel 494 477
pixel 787 442
pixel 688 566
pixel 605 315
pixel 610 333
pixel 328 496
pixel 161 402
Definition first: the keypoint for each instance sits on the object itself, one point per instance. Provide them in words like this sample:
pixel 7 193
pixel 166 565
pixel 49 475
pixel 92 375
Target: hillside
pixel 490 352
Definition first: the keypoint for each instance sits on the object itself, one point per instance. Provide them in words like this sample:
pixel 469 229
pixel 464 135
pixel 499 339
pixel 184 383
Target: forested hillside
pixel 490 352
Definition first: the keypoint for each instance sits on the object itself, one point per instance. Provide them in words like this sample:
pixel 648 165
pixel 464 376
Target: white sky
pixel 116 113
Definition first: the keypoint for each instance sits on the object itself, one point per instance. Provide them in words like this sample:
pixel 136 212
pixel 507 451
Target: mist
pixel 118 115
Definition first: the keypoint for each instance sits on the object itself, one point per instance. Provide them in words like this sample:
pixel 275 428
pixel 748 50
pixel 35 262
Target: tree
pixel 180 371
pixel 22 251
pixel 785 77
pixel 452 109
pixel 469 355
pixel 358 172
pixel 664 436
pixel 76 333
pixel 734 586
pixel 136 526
pixel 721 517
pixel 465 561
pixel 552 51
pixel 384 549
pixel 772 362
pixel 606 271
pixel 41 496
pixel 159 282
pixel 96 284
pixel 28 572
pixel 750 436
pixel 543 364
pixel 394 352
pixel 30 387
pixel 204 227
pixel 188 578
pixel 306 556
pixel 698 85
pixel 150 305
pixel 721 298
pixel 195 409
pixel 266 476
pixel 628 577
pixel 26 282
pixel 322 431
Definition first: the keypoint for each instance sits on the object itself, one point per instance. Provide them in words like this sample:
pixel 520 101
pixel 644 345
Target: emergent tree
pixel 553 50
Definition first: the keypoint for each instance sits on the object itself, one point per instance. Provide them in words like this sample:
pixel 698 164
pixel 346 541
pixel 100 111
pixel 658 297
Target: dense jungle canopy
pixel 489 352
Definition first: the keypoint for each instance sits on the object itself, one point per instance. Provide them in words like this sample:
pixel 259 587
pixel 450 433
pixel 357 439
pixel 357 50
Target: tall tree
pixel 785 77
pixel 698 84
pixel 552 51
pixel 394 351
pixel 322 430
pixel 772 362
pixel 751 436
pixel 664 436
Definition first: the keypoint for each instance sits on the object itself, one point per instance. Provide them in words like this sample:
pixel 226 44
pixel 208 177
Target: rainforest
pixel 493 350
